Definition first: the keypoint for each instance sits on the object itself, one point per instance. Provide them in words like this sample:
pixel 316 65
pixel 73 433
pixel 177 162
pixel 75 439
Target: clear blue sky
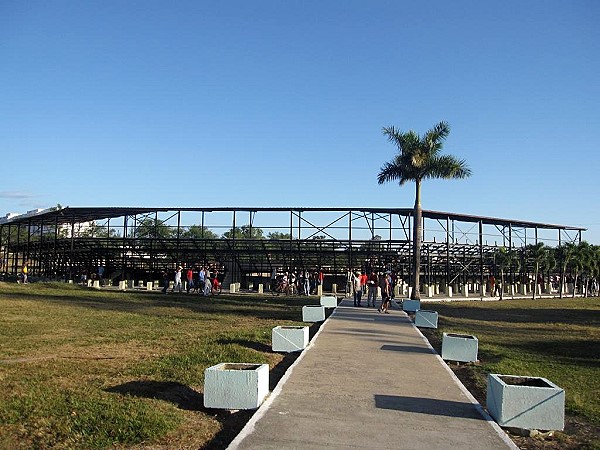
pixel 280 103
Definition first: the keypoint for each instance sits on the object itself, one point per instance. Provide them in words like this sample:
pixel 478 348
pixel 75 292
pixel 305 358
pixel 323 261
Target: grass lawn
pixel 88 369
pixel 551 338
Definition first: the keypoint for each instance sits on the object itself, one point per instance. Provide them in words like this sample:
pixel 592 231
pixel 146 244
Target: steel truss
pixel 140 243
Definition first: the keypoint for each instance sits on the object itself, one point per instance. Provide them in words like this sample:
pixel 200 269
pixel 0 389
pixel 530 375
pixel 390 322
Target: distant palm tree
pixel 504 259
pixel 579 262
pixel 564 253
pixel 538 255
pixel 419 158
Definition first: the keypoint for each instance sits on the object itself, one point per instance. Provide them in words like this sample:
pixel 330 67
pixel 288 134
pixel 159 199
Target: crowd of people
pixel 304 282
pixel 204 280
pixel 361 283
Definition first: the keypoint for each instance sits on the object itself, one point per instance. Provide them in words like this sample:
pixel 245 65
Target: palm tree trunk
pixel 417 237
pixel 535 279
pixel 561 285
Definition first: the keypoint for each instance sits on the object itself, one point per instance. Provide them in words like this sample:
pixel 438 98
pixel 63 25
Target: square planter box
pixel 531 403
pixel 409 305
pixel 289 339
pixel 329 301
pixel 313 313
pixel 236 385
pixel 426 319
pixel 459 347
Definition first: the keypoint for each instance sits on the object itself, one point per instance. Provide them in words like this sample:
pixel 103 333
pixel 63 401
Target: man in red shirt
pixel 190 279
pixel 373 283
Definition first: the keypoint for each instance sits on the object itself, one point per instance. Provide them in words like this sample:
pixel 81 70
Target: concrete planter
pixel 289 339
pixel 313 313
pixel 236 385
pixel 409 305
pixel 426 319
pixel 459 347
pixel 329 301
pixel 531 403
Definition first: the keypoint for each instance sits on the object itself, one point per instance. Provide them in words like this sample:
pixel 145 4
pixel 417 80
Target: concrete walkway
pixel 370 381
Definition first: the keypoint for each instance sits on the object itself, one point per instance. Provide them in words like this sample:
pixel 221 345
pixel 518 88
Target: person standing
pixel 372 283
pixel 492 286
pixel 101 274
pixel 165 277
pixel 306 282
pixel 349 282
pixel 24 271
pixel 201 279
pixel 177 284
pixel 385 293
pixel 207 284
pixel 357 289
pixel 190 279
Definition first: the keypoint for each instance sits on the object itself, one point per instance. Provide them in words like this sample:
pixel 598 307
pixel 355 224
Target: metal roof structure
pixel 86 214
pixel 252 241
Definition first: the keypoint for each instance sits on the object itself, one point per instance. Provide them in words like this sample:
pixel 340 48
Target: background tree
pixel 95 230
pixel 419 158
pixel 244 232
pixel 153 228
pixel 199 232
pixel 279 236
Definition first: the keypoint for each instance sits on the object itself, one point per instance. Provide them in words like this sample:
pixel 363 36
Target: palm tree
pixel 579 261
pixel 538 255
pixel 504 258
pixel 564 253
pixel 419 158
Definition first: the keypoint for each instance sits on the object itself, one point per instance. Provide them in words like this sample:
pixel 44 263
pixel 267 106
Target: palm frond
pixel 447 167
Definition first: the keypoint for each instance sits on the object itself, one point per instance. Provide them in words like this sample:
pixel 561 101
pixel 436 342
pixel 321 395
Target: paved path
pixel 369 381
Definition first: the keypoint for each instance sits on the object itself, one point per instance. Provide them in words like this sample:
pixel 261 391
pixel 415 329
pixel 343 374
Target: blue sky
pixel 274 103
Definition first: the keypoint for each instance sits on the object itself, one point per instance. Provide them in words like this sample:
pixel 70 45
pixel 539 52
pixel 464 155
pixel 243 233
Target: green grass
pixel 95 369
pixel 551 338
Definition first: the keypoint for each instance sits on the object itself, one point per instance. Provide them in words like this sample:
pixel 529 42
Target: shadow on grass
pixel 180 395
pixel 186 398
pixel 579 352
pixel 570 314
pixel 146 302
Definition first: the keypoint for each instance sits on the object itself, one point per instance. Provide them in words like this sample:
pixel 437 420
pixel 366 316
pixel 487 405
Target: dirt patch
pixel 577 435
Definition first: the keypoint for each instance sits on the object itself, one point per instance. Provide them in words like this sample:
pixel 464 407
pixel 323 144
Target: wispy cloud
pixel 16 195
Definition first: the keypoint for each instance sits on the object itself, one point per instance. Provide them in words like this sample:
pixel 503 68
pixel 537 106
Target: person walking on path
pixel 357 289
pixel 177 284
pixel 372 294
pixel 385 293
